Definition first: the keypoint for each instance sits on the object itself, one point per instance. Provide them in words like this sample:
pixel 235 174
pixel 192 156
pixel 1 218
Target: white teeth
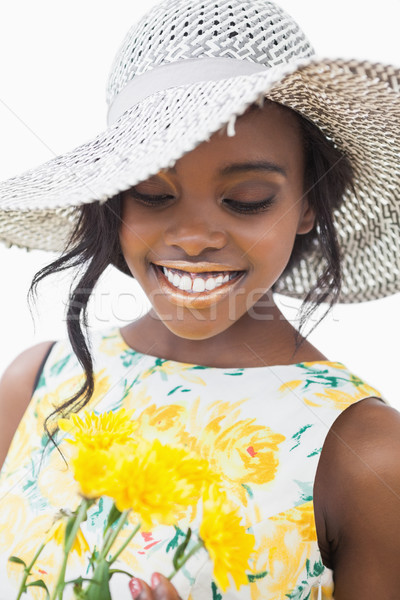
pixel 199 285
pixel 185 283
pixel 168 274
pixel 210 284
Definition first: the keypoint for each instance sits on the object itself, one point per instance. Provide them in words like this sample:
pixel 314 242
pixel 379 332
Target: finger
pixel 140 590
pixel 163 588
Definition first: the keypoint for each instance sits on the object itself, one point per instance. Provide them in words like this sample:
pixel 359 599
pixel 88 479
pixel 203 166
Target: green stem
pixel 112 535
pixel 112 571
pixel 27 571
pixel 186 558
pixel 124 545
pixel 79 517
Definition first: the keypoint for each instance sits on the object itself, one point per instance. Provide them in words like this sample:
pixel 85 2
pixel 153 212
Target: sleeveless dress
pixel 261 428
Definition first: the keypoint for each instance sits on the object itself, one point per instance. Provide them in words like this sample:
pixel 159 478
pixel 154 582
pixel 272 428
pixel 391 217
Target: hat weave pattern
pixel 356 104
pixel 251 30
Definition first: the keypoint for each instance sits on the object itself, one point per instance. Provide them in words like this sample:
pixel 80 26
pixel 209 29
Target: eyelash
pixel 241 207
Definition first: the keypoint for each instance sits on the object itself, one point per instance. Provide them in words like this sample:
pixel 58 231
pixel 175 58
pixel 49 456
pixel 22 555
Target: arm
pixel 16 389
pixel 358 491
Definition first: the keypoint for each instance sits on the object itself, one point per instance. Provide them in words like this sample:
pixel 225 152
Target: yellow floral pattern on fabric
pixel 341 400
pixel 47 565
pixel 287 545
pixel 261 430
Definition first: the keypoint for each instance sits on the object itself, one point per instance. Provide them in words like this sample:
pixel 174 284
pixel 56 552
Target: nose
pixel 195 231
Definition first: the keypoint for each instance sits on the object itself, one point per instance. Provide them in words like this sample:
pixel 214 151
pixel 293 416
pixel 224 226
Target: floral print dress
pixel 261 428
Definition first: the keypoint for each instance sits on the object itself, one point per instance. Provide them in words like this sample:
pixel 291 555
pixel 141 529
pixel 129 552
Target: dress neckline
pixel 302 364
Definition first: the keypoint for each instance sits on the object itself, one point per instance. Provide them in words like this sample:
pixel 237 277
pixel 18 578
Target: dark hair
pixel 328 173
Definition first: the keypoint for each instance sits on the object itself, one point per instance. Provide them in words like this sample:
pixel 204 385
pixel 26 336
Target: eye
pixel 150 199
pixel 250 207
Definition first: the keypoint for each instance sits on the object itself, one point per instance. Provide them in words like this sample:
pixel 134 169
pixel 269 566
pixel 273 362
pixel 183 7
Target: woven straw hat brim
pixel 356 105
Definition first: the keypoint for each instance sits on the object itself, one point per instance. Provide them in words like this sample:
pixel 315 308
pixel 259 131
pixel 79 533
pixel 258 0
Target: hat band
pixel 182 72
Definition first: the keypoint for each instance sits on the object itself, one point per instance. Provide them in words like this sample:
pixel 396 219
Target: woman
pixel 215 187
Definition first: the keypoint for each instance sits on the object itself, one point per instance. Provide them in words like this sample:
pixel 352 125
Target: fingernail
pixel 155 580
pixel 136 587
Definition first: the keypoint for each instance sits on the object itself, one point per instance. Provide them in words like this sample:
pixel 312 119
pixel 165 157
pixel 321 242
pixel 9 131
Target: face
pixel 208 238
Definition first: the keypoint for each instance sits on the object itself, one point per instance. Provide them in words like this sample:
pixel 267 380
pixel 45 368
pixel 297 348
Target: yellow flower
pixel 226 540
pixel 158 482
pixel 95 470
pixel 99 432
pixel 57 534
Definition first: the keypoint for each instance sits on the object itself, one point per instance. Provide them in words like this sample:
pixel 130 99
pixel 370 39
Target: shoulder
pixel 357 492
pixel 16 389
pixel 361 439
pixel 21 372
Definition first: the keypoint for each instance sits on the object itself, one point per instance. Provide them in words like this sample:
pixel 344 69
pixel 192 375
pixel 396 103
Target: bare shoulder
pixel 357 498
pixel 361 439
pixel 16 388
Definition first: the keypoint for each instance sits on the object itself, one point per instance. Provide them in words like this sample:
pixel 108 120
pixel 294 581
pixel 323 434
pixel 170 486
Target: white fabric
pixel 182 72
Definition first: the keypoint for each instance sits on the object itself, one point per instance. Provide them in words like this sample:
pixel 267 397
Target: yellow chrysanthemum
pixel 57 534
pixel 98 472
pixel 226 540
pixel 159 481
pixel 99 432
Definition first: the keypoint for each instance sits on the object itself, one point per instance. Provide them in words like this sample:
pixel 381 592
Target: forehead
pixel 271 133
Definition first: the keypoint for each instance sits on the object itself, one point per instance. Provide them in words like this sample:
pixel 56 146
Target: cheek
pixel 136 234
pixel 271 242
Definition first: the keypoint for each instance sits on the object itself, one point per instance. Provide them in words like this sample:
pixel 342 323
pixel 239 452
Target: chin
pixel 196 331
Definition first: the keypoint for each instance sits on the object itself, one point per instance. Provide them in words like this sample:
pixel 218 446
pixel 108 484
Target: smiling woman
pixel 235 165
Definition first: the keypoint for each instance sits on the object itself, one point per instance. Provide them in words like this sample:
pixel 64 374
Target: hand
pixel 161 589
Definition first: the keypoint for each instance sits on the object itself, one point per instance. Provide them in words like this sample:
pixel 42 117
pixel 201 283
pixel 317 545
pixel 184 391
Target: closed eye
pixel 149 198
pixel 250 207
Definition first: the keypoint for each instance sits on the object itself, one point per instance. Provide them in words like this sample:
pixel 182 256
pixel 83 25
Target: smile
pixel 197 289
pixel 198 282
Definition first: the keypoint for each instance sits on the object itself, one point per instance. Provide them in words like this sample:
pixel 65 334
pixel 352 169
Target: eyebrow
pixel 252 166
pixel 270 167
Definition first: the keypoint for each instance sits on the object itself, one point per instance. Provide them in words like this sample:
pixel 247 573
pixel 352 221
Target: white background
pixel 54 62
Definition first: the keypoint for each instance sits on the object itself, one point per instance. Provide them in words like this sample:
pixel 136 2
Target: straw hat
pixel 190 67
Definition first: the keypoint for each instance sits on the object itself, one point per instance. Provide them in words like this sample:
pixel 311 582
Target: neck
pixel 263 338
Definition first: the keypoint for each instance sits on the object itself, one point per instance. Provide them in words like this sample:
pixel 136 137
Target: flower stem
pixel 186 558
pixel 79 517
pixel 124 545
pixel 110 539
pixel 27 571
